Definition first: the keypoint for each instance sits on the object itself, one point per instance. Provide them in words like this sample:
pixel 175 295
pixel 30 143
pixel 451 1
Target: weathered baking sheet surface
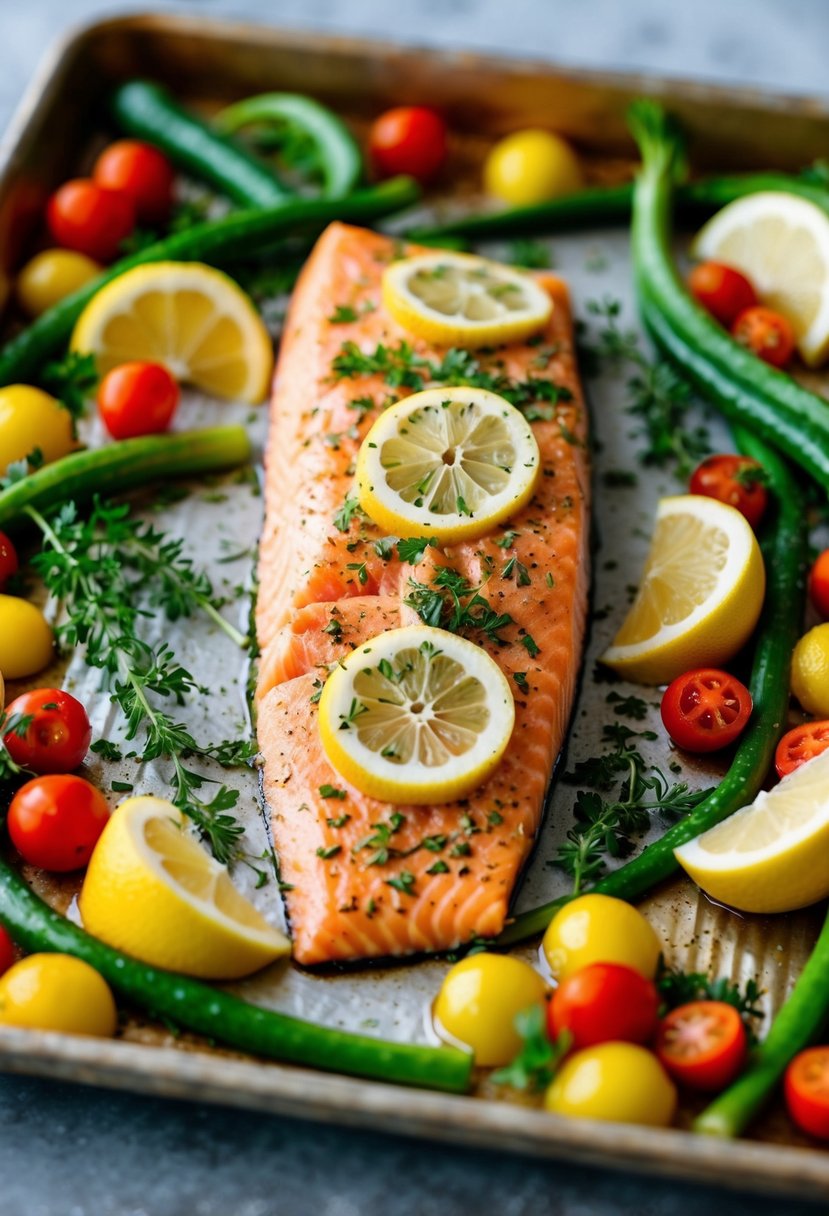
pixel 221 522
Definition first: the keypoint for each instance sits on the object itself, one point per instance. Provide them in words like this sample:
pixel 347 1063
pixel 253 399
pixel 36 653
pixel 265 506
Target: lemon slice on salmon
pixel 416 715
pixel 448 463
pixel 152 891
pixel 773 855
pixel 192 318
pixel 781 242
pixel 457 299
pixel 700 594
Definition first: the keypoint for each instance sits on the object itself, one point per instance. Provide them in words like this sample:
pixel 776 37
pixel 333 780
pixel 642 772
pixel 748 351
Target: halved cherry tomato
pixel 602 1003
pixel 8 560
pixel 702 1044
pixel 408 139
pixel 59 736
pixel 6 951
pixel 55 822
pixel 705 709
pixel 800 744
pixel 83 215
pixel 736 480
pixel 767 333
pixel 806 1087
pixel 142 172
pixel 137 399
pixel 721 290
pixel 819 584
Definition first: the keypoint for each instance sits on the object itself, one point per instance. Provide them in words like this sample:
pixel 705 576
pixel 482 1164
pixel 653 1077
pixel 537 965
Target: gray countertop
pixel 66 1151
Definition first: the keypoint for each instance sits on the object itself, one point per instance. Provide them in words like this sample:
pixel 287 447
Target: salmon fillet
pixel 364 878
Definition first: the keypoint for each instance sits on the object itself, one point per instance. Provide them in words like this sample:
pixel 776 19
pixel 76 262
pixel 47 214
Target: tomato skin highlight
pixel 601 1003
pixel 799 745
pixel 479 1000
pixel 9 564
pixel 819 584
pixel 54 822
pixel 84 216
pixel 600 929
pixel 702 1044
pixel 57 992
pixel 705 710
pixel 410 140
pixel 806 1090
pixel 532 166
pixel 721 290
pixel 58 738
pixel 137 399
pixel 6 951
pixel 729 479
pixel 142 172
pixel 768 334
pixel 619 1082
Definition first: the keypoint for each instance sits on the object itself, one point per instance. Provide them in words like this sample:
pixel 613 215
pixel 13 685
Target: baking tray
pixel 54 133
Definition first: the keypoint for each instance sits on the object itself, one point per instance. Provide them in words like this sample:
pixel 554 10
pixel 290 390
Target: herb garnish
pixel 679 987
pixel 12 724
pixel 535 1065
pixel 451 603
pixel 72 379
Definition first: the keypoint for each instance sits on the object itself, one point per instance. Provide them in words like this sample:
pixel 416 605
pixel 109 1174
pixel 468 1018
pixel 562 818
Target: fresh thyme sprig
pixel 107 571
pixel 607 827
pixel 658 397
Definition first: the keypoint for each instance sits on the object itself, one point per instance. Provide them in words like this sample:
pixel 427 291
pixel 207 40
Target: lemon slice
pixel 153 892
pixel 190 317
pixel 448 463
pixel 773 855
pixel 781 242
pixel 700 595
pixel 457 299
pixel 416 715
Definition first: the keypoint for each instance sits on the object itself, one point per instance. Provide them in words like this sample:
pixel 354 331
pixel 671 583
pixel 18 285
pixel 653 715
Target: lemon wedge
pixel 153 892
pixel 700 594
pixel 192 318
pixel 781 242
pixel 448 463
pixel 773 855
pixel 416 715
pixel 458 299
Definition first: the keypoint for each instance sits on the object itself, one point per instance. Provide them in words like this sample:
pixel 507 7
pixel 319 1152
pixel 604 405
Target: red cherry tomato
pixel 702 1044
pixel 806 1087
pixel 408 139
pixel 59 735
pixel 799 745
pixel 705 709
pixel 55 822
pixel 84 216
pixel 736 480
pixel 8 560
pixel 142 172
pixel 767 333
pixel 6 951
pixel 601 1003
pixel 818 582
pixel 721 290
pixel 137 399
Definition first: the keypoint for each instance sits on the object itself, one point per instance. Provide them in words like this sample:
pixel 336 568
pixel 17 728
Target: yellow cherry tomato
pixel 30 419
pixel 600 929
pixel 25 638
pixel 478 1002
pixel 618 1082
pixel 530 167
pixel 810 671
pixel 57 992
pixel 52 275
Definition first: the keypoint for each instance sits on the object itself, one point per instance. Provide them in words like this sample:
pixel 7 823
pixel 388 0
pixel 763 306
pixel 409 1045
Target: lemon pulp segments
pixel 416 715
pixel 781 242
pixel 700 594
pixel 192 318
pixel 152 891
pixel 447 463
pixel 773 855
pixel 457 299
